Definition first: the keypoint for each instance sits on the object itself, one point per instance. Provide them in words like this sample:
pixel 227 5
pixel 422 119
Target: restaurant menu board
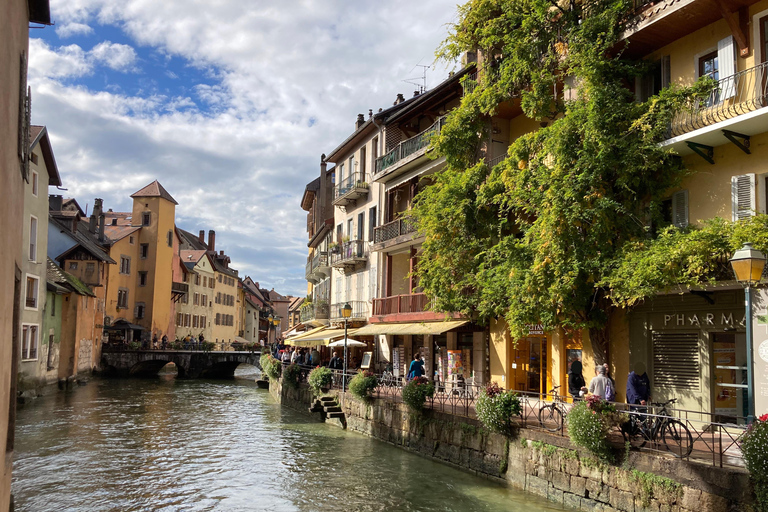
pixel 726 402
pixel 455 364
pixel 398 361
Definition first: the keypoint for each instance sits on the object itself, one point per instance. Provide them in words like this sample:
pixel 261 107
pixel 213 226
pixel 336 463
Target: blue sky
pixel 229 104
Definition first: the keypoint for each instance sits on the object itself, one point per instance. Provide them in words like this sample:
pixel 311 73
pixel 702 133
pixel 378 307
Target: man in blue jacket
pixel 638 386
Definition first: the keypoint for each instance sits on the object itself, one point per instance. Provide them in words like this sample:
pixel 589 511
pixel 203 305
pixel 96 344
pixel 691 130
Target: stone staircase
pixel 330 411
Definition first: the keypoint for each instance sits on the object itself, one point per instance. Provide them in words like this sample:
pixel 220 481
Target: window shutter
pixel 666 71
pixel 680 209
pixel 676 360
pixel 136 312
pixel 743 196
pixel 726 67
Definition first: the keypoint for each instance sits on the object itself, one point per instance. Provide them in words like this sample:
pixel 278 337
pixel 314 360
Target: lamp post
pixel 748 265
pixel 346 312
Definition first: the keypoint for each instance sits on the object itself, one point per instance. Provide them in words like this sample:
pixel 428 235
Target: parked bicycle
pixel 660 428
pixel 552 416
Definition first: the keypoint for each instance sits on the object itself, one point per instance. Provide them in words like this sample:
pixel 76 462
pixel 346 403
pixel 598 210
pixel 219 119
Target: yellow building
pixel 194 310
pixel 140 285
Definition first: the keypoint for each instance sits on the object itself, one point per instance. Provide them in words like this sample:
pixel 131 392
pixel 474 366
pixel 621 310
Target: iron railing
pixel 359 310
pixel 314 311
pixel 308 271
pixel 411 303
pixel 408 147
pixel 729 97
pixel 469 83
pixel 348 252
pixel 354 181
pixel 394 229
pixel 493 162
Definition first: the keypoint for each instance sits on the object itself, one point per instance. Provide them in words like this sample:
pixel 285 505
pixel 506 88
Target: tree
pixel 535 238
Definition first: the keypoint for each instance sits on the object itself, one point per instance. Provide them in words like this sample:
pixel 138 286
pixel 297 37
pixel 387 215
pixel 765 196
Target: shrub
pixel 291 375
pixel 208 346
pixel 319 378
pixel 415 393
pixel 588 424
pixel 363 384
pixel 754 446
pixel 270 366
pixel 134 345
pixel 495 408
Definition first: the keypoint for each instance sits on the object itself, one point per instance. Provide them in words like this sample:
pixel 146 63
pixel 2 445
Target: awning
pixel 303 334
pixel 122 325
pixel 411 328
pixel 319 336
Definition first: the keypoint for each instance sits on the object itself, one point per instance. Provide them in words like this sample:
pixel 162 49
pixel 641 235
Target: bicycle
pixel 673 434
pixel 553 413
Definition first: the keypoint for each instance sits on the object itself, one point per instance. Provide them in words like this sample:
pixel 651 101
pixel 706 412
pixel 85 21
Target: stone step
pixel 334 408
pixel 336 414
pixel 328 399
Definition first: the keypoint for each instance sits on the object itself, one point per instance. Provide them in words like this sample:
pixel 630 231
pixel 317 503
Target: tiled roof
pixel 116 233
pixel 59 277
pixel 83 238
pixel 295 303
pixel 34 131
pixel 191 240
pixel 191 256
pixel 123 218
pixel 154 189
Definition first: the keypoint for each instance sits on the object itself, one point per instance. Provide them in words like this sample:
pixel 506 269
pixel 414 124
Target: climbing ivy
pixel 537 238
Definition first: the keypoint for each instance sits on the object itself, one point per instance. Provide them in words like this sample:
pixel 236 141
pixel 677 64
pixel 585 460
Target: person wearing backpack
pixel 600 383
pixel 575 379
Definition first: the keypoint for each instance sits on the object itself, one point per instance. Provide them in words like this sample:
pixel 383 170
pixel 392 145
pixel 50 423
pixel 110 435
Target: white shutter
pixel 338 290
pixel 676 360
pixel 360 283
pixel 372 282
pixel 680 209
pixel 726 67
pixel 743 196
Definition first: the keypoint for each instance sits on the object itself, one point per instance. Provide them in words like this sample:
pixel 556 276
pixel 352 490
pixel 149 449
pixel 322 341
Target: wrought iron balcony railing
pixel 732 96
pixel 349 253
pixel 359 310
pixel 408 147
pixel 469 83
pixel 352 185
pixel 411 303
pixel 392 230
pixel 314 311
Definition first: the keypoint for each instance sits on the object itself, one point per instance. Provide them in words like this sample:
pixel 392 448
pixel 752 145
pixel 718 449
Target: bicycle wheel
pixel 635 432
pixel 677 438
pixel 551 418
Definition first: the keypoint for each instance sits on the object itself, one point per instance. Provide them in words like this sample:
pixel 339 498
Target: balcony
pixel 407 150
pixel 359 311
pixel 350 189
pixel 399 304
pixel 469 83
pixel 392 233
pixel 178 290
pixel 349 254
pixel 320 267
pixel 735 109
pixel 314 313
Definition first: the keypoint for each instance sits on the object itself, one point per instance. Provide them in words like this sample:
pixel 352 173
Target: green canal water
pixel 168 445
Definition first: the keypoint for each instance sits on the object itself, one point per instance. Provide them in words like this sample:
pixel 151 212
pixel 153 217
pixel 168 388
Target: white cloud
pixel 119 57
pixel 238 161
pixel 72 29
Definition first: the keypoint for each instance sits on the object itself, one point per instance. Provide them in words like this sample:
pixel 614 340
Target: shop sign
pixel 704 320
pixel 535 328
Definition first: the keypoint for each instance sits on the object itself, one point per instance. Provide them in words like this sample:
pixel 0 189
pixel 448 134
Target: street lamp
pixel 346 312
pixel 748 265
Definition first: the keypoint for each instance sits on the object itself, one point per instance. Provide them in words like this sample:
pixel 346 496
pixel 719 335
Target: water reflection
pixel 167 445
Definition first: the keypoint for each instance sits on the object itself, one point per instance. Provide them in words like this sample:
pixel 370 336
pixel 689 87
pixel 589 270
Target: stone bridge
pixel 191 364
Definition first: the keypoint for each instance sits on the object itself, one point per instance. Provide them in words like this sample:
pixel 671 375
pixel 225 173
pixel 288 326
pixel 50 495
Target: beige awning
pixel 303 334
pixel 411 328
pixel 319 336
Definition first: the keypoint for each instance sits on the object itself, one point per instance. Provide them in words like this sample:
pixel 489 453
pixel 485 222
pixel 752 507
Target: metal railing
pixel 493 162
pixel 314 311
pixel 320 260
pixel 469 83
pixel 732 96
pixel 408 147
pixel 349 251
pixel 308 271
pixel 394 229
pixel 355 181
pixel 359 310
pixel 411 303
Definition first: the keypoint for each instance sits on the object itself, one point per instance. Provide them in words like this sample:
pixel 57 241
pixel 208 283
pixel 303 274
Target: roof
pixel 191 256
pixel 71 204
pixel 219 266
pixel 39 12
pixel 154 189
pixel 418 101
pixel 296 303
pixel 116 233
pixel 58 276
pixel 191 240
pixel 309 191
pixel 83 239
pixel 39 135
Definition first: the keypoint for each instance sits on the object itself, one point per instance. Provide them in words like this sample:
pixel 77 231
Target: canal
pixel 168 445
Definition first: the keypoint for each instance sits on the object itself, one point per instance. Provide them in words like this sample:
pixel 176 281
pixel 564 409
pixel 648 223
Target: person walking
pixel 416 369
pixel 600 385
pixel 336 363
pixel 638 387
pixel 314 357
pixel 165 341
pixel 575 379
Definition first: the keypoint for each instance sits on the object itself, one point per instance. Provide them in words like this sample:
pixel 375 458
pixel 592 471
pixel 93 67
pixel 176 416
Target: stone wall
pixel 542 463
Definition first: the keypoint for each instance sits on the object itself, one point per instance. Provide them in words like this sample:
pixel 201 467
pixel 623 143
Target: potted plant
pixel 270 366
pixel 320 379
pixel 416 392
pixel 292 375
pixel 754 446
pixel 363 384
pixel 495 408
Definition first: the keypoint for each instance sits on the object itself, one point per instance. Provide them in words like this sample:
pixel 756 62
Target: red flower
pixel 764 417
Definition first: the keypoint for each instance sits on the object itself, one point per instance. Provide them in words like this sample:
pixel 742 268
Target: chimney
pixel 221 253
pixel 101 227
pixel 95 215
pixel 360 121
pixel 370 113
pixel 212 241
pixel 54 203
pixel 92 222
pixel 201 236
pixel 400 98
pixel 468 57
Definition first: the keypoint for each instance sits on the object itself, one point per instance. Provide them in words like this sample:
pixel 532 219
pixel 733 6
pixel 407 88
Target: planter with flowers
pixel 589 422
pixel 416 392
pixel 270 366
pixel 320 379
pixel 754 447
pixel 496 407
pixel 363 384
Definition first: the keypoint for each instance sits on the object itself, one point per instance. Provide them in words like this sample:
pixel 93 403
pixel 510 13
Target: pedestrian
pixel 285 357
pixel 336 363
pixel 299 359
pixel 154 342
pixel 294 354
pixel 165 341
pixel 575 379
pixel 638 387
pixel 601 385
pixel 416 369
pixel 314 357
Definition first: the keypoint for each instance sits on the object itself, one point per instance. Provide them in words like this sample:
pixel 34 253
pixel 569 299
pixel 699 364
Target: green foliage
pixel 363 384
pixel 654 485
pixel 291 375
pixel 270 366
pixel 534 238
pixel 589 429
pixel 207 346
pixel 504 464
pixel 319 378
pixel 543 447
pixel 495 408
pixel 134 345
pixel 754 446
pixel 523 442
pixel 416 392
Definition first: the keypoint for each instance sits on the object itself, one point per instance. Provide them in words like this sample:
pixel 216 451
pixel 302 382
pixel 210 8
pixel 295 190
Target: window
pixel 362 163
pixel 122 298
pixel 708 66
pixel 32 239
pixel 742 196
pixel 218 319
pixel 72 265
pixel 220 277
pixel 196 299
pixel 29 342
pixel 657 78
pixel 371 223
pixel 130 239
pixel 178 319
pixel 33 158
pixel 90 268
pixel 144 251
pixel 680 209
pixel 187 320
pixel 341 173
pixel 194 321
pixel 170 238
pixel 350 227
pixel 34 182
pixel 33 285
pixel 361 225
pixel 203 321
pixel 339 232
pixel 352 165
pixel 146 218
pixel 143 278
pixel 203 300
pixel 375 148
pixel 139 310
pixel 125 265
pixel 197 280
pixel 205 282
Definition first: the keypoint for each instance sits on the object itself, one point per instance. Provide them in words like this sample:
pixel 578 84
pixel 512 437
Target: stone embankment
pixel 542 463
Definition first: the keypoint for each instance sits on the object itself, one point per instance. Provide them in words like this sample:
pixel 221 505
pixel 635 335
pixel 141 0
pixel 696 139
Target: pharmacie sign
pixel 700 320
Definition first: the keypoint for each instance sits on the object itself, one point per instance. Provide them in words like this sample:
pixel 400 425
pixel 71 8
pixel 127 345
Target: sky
pixel 229 104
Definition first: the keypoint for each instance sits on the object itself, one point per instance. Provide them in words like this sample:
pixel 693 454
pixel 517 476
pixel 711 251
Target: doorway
pixel 529 365
pixel 729 376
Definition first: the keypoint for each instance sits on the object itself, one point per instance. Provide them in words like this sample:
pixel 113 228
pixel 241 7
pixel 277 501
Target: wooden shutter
pixel 726 67
pixel 676 360
pixel 666 71
pixel 743 196
pixel 680 209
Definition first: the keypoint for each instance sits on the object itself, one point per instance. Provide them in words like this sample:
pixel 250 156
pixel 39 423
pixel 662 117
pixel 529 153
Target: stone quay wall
pixel 543 464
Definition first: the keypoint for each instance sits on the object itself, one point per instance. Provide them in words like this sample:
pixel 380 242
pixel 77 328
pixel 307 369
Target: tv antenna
pixel 423 78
